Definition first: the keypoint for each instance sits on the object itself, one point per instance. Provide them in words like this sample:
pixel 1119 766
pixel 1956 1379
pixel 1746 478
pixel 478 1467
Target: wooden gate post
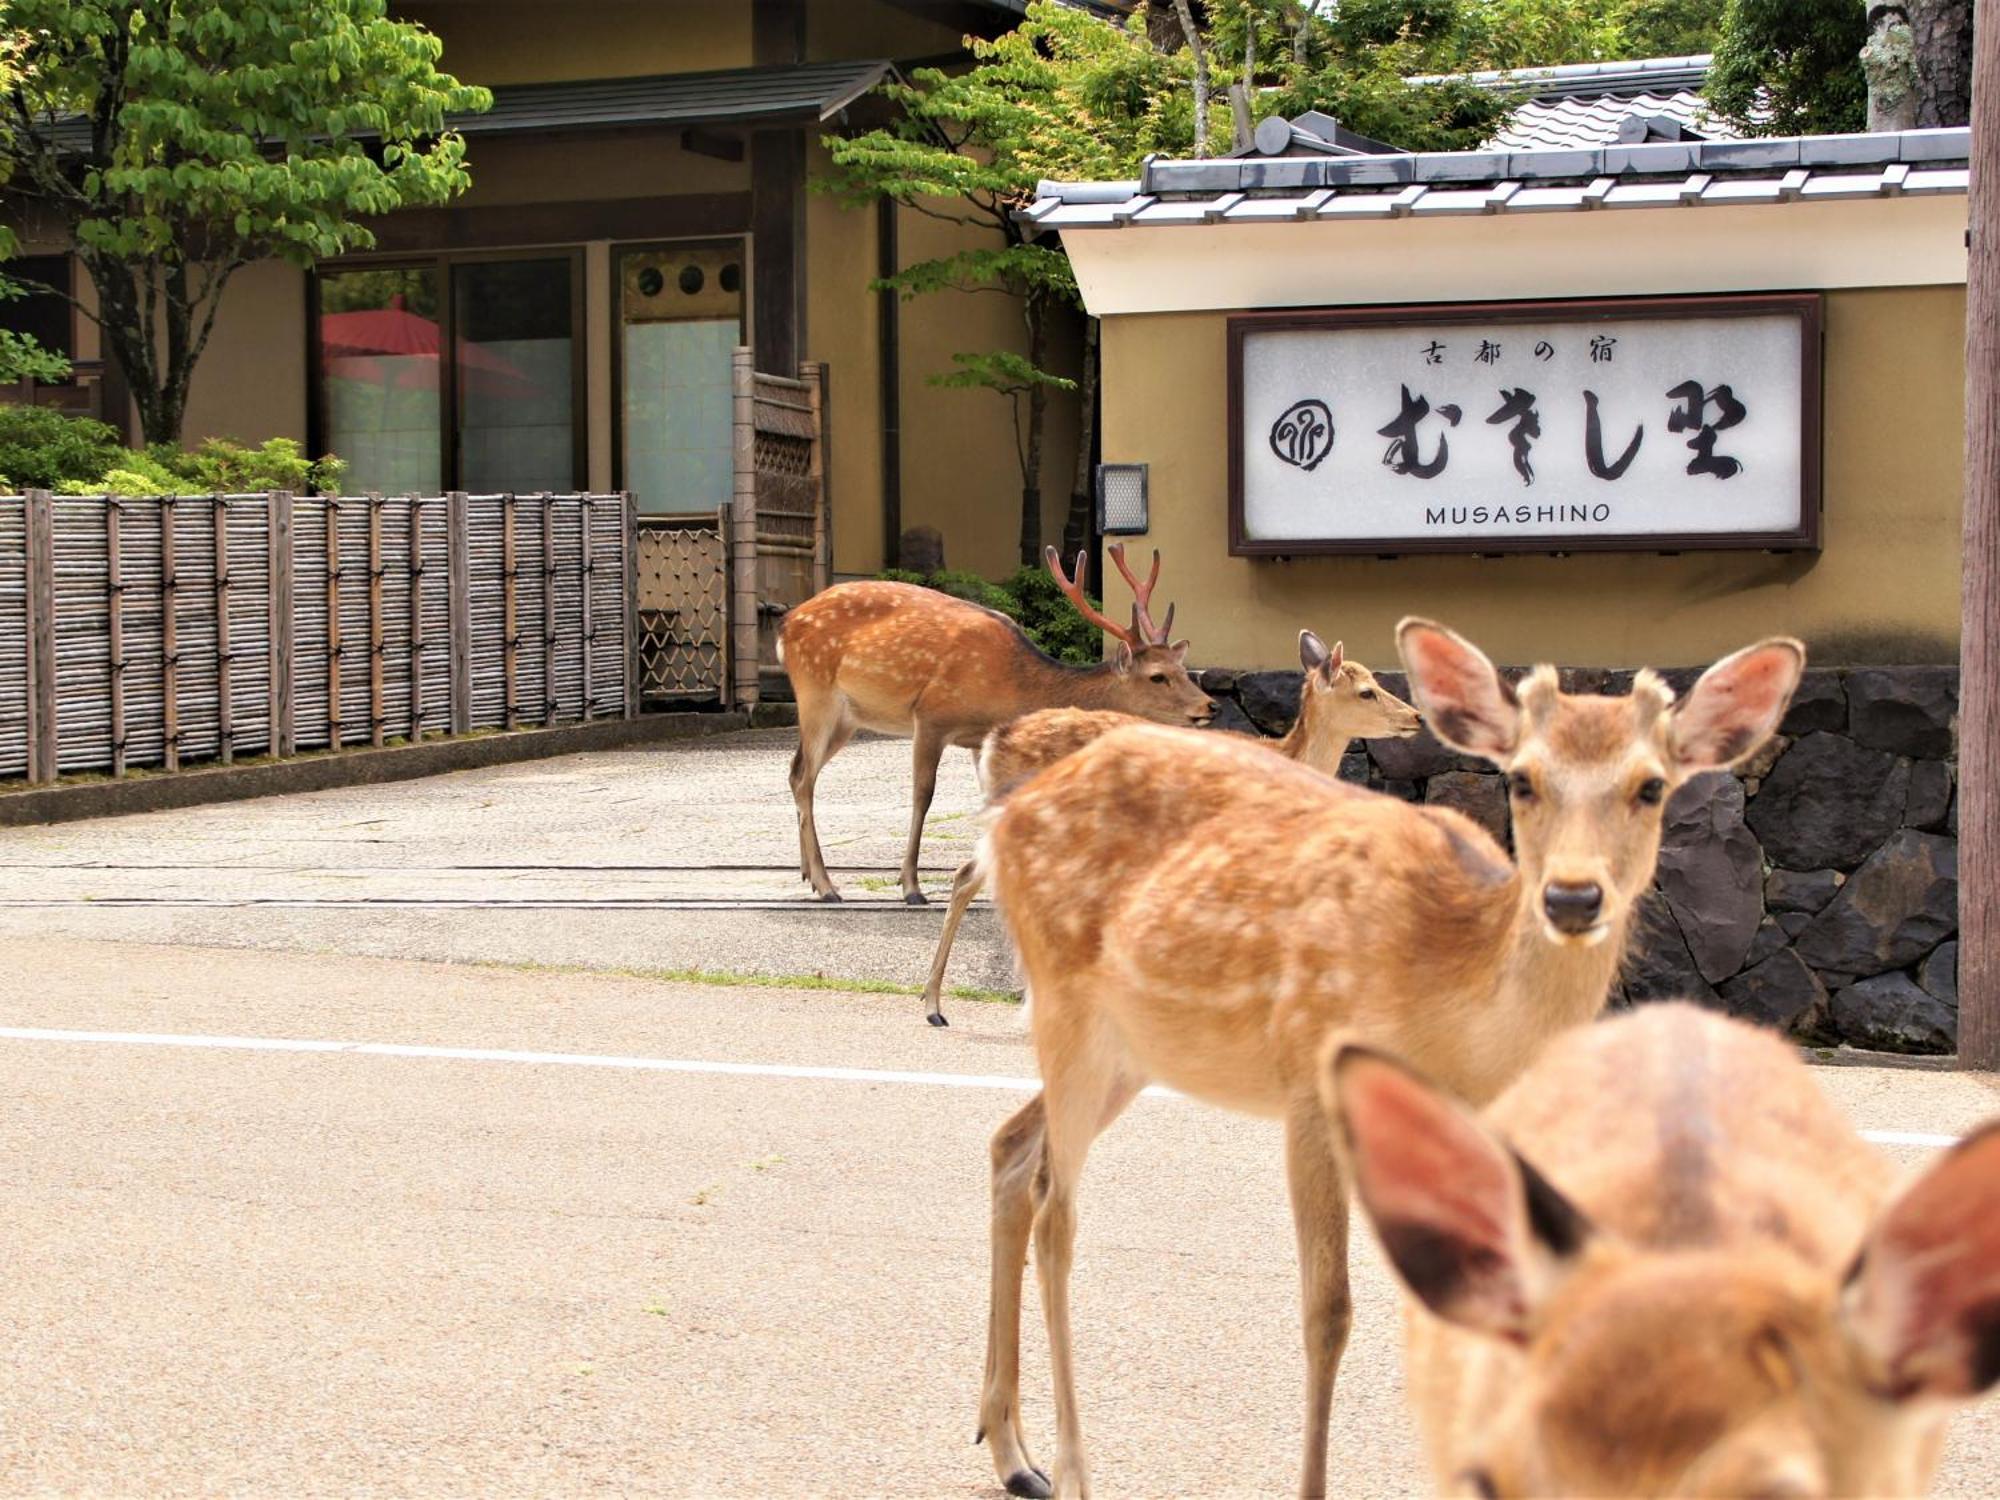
pixel 813 373
pixel 278 527
pixel 743 533
pixel 1979 649
pixel 629 527
pixel 43 751
pixel 458 600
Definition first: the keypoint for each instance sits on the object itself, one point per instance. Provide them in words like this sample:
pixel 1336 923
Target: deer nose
pixel 1573 908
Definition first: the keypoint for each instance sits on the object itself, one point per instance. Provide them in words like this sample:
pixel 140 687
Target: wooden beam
pixel 284 740
pixel 1979 648
pixel 458 604
pixel 668 216
pixel 711 143
pixel 44 747
pixel 778 248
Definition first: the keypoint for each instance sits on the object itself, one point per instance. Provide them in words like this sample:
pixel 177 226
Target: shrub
pixel 1030 598
pixel 40 449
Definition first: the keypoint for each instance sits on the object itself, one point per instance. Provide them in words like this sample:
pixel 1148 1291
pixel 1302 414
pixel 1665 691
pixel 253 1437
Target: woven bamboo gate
pixel 778 523
pixel 140 632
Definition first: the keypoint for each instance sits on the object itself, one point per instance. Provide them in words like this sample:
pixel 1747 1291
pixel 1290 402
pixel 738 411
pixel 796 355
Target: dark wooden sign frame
pixel 1804 536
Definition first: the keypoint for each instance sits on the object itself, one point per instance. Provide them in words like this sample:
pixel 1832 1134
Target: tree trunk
pixel 1031 458
pixel 1193 35
pixel 1942 31
pixel 1082 519
pixel 1979 648
pixel 1239 92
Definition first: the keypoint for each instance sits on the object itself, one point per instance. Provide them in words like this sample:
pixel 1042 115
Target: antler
pixel 1073 588
pixel 1142 598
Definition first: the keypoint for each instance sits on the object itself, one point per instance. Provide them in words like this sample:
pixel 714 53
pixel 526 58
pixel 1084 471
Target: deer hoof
pixel 915 898
pixel 936 1018
pixel 1032 1483
pixel 829 895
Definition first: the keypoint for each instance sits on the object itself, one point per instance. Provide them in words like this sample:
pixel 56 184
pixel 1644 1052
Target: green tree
pixel 21 358
pixel 180 140
pixel 1068 95
pixel 1791 67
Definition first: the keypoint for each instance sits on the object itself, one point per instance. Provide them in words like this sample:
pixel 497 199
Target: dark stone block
pixel 1229 716
pixel 1929 802
pixel 1407 790
pixel 1794 922
pixel 1712 872
pixel 1217 679
pixel 1657 963
pixel 1819 704
pixel 1904 710
pixel 1480 796
pixel 1775 992
pixel 1414 758
pixel 1354 767
pixel 1829 802
pixel 1769 939
pixel 1583 680
pixel 1394 682
pixel 1899 906
pixel 1270 698
pixel 1891 1014
pixel 1801 890
pixel 920 549
pixel 1938 974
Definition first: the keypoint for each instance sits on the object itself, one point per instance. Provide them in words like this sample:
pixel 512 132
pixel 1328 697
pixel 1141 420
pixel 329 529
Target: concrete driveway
pixel 289 1218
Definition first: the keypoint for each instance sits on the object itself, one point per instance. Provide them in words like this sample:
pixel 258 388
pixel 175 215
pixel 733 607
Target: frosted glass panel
pixel 677 413
pixel 516 407
pixel 379 353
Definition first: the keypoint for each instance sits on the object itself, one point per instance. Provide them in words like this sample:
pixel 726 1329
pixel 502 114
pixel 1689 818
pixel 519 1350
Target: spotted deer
pixel 1339 702
pixel 1662 1263
pixel 910 661
pixel 1193 911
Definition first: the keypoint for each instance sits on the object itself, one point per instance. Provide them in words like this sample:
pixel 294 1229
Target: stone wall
pixel 1815 889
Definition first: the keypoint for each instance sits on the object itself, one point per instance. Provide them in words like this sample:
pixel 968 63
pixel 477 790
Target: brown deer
pixel 910 661
pixel 1194 911
pixel 1664 1264
pixel 1339 702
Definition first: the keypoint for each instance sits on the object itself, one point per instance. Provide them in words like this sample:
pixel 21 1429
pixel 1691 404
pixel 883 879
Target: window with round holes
pixel 693 279
pixel 650 281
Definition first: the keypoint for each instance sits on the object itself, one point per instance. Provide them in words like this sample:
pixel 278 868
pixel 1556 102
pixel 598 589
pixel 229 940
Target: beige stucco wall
pixel 841 331
pixel 1884 589
pixel 251 382
pixel 581 168
pixel 514 41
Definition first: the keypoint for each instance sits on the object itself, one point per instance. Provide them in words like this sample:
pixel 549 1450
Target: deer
pixel 909 661
pixel 1192 911
pixel 1662 1263
pixel 1339 702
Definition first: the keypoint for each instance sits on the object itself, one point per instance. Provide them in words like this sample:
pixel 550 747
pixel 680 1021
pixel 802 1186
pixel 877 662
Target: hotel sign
pixel 1651 426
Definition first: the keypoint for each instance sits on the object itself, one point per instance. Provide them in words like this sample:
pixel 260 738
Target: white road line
pixel 1006 1081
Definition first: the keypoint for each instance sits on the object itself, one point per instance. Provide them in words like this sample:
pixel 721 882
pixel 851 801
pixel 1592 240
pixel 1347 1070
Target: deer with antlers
pixel 1662 1263
pixel 1339 702
pixel 1193 911
pixel 910 661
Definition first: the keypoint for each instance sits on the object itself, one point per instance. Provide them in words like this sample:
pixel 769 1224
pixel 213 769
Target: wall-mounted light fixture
pixel 1121 499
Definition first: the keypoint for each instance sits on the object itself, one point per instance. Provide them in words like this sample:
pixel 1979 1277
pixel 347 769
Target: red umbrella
pixel 395 330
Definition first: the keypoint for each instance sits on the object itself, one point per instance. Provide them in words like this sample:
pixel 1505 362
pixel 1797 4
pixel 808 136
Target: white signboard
pixel 1527 427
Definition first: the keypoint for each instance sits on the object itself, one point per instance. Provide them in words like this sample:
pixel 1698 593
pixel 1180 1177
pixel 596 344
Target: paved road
pixel 382 1259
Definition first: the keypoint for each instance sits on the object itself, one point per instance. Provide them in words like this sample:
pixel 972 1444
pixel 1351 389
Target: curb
pixel 357 767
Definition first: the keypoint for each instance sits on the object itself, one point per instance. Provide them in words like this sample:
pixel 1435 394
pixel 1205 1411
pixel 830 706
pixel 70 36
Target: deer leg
pixel 1082 1095
pixel 1319 1214
pixel 1017 1160
pixel 926 751
pixel 964 886
pixel 824 727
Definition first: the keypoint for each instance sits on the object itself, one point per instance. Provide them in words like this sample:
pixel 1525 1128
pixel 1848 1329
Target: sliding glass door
pixel 459 373
pixel 680 318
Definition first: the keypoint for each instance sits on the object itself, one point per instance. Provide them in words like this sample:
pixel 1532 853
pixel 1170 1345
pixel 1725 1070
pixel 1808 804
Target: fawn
pixel 1339 702
pixel 1664 1264
pixel 901 659
pixel 1195 911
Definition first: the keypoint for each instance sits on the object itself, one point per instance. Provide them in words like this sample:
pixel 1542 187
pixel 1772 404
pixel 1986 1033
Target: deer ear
pixel 1121 659
pixel 1737 704
pixel 1475 1233
pixel 1339 655
pixel 1922 1301
pixel 1312 651
pixel 1180 651
pixel 1465 701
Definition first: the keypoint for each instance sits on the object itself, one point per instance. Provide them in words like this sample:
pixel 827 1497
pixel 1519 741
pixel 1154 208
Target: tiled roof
pixel 1604 120
pixel 1663 174
pixel 1639 76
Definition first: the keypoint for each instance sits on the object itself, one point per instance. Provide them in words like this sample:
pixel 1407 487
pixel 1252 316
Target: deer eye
pixel 1156 676
pixel 1366 693
pixel 1651 790
pixel 1520 787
